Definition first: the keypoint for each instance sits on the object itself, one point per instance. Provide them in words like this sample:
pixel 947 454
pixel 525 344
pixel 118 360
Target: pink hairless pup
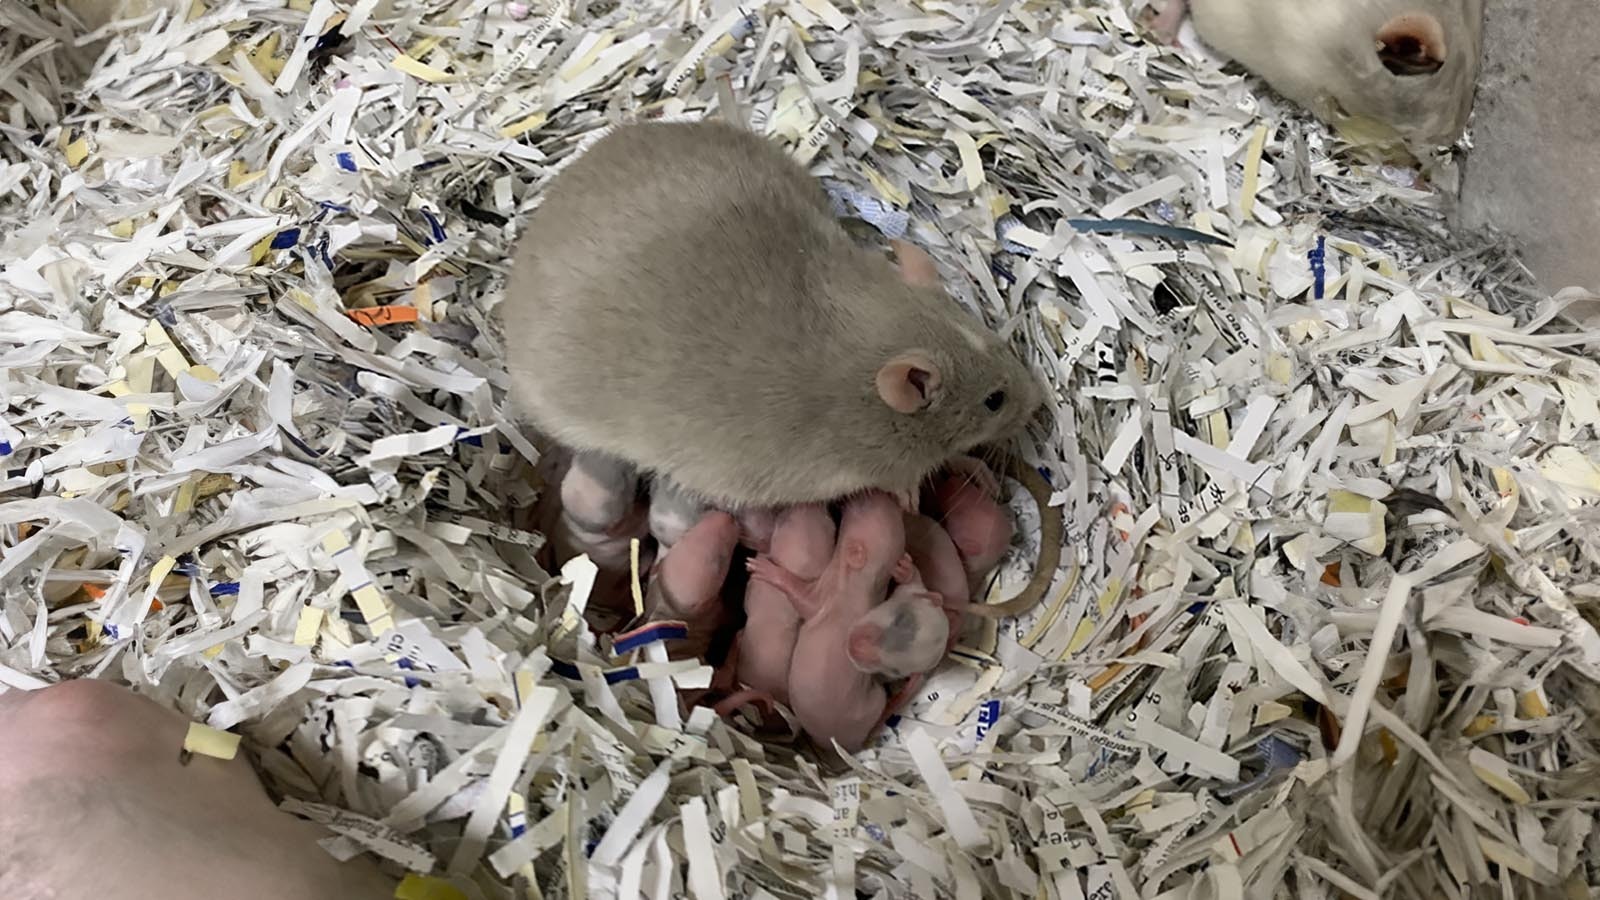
pixel 687 585
pixel 757 525
pixel 838 650
pixel 801 543
pixel 980 528
pixel 940 564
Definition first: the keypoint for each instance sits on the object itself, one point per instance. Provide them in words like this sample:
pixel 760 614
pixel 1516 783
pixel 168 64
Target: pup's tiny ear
pixel 917 268
pixel 908 382
pixel 864 646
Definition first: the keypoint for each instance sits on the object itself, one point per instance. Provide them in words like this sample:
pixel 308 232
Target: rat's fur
pixel 1324 55
pixel 685 300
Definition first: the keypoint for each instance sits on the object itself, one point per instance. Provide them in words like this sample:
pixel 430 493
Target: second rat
pixel 1410 65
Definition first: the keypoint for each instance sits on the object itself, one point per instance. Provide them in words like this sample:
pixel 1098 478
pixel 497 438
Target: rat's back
pixel 660 289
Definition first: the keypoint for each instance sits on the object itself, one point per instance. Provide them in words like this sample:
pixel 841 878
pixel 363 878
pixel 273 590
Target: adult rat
pixel 1410 65
pixel 685 300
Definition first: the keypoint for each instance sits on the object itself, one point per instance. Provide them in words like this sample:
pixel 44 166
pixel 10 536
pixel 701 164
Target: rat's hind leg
pixel 673 510
pixel 598 491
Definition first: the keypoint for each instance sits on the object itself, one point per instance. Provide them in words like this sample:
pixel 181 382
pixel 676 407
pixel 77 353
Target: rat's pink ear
pixel 864 646
pixel 908 382
pixel 1412 43
pixel 917 268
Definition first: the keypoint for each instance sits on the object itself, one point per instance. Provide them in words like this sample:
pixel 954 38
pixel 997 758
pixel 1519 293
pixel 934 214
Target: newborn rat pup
pixel 834 697
pixel 1411 65
pixel 753 352
pixel 802 543
pixel 939 563
pixel 964 498
pixel 756 526
pixel 980 528
pixel 687 585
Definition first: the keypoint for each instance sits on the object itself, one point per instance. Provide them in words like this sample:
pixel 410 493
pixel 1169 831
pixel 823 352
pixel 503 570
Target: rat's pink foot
pixel 1169 21
pixel 974 471
pixel 765 570
pixel 905 571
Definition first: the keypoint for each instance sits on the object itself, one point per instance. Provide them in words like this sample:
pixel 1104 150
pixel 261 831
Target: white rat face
pixel 1410 73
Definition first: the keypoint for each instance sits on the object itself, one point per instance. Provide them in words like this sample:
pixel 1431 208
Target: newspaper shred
pixel 1324 629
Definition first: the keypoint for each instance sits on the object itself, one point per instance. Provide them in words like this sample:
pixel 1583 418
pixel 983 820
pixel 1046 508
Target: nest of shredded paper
pixel 1329 485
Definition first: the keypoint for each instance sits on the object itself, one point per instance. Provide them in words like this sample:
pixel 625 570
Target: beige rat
pixel 684 299
pixel 1410 65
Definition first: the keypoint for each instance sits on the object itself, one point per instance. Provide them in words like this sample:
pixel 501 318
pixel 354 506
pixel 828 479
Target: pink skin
pixel 687 585
pixel 756 527
pixel 834 698
pixel 802 543
pixel 906 635
pixel 940 563
pixel 175 831
pixel 980 527
pixel 1166 24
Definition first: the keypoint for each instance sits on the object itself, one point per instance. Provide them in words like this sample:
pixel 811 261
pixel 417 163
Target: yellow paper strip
pixel 633 562
pixel 523 126
pixel 1252 172
pixel 422 70
pixel 426 887
pixel 77 152
pixel 305 631
pixel 374 609
pixel 208 741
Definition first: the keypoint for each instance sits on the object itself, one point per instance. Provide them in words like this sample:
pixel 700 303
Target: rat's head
pixel 943 382
pixel 1410 71
pixel 904 635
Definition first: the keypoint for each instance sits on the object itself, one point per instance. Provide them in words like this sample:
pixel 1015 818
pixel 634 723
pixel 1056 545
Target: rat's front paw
pixel 973 471
pixel 909 500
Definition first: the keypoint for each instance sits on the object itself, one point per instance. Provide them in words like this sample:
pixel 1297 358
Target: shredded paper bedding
pixel 1322 629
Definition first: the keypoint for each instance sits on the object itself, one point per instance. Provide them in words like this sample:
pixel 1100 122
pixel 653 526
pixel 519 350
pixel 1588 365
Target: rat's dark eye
pixel 995 401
